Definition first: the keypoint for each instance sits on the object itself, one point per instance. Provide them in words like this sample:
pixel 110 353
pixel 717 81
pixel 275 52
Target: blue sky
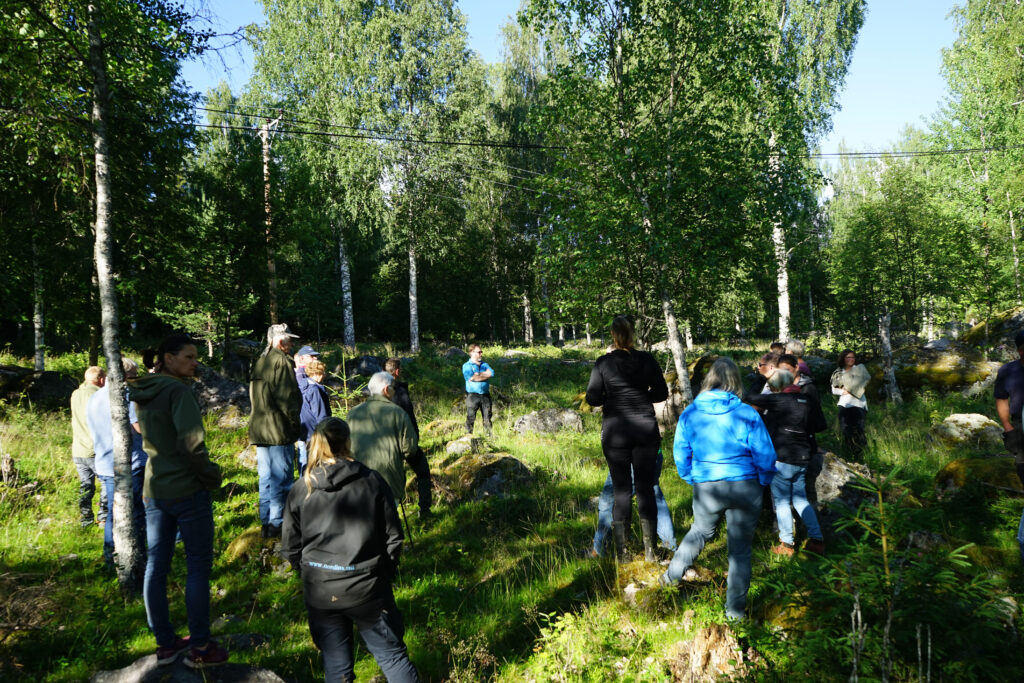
pixel 894 79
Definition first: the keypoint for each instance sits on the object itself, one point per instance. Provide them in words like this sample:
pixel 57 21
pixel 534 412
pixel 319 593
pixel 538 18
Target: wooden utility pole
pixel 271 263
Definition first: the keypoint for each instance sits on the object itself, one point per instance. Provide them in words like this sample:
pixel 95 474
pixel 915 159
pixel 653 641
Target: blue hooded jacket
pixel 720 438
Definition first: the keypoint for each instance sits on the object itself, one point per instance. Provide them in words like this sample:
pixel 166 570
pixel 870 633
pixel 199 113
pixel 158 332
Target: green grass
pixel 491 590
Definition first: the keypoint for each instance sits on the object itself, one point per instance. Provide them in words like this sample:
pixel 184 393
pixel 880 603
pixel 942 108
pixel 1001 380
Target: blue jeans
pixel 139 519
pixel 192 515
pixel 741 503
pixel 276 467
pixel 604 514
pixel 380 625
pixel 789 488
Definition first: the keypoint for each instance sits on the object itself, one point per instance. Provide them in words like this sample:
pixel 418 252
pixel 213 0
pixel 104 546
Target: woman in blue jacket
pixel 723 451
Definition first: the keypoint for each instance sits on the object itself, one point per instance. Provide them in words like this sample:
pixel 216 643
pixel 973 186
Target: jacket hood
pixel 339 474
pixel 716 402
pixel 148 387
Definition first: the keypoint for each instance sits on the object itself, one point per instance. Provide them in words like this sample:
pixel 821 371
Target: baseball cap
pixel 307 350
pixel 279 330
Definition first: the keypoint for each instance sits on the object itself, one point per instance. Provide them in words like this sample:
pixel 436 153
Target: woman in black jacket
pixel 627 383
pixel 342 532
pixel 792 418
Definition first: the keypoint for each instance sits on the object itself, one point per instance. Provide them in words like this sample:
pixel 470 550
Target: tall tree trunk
pixel 346 290
pixel 547 309
pixel 675 345
pixel 892 390
pixel 94 327
pixel 527 320
pixel 810 305
pixel 127 547
pixel 414 311
pixel 37 307
pixel 1016 257
pixel 779 244
pixel 268 223
pixel 589 339
pixel 688 335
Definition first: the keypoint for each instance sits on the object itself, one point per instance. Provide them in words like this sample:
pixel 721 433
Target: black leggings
pixel 629 466
pixel 851 423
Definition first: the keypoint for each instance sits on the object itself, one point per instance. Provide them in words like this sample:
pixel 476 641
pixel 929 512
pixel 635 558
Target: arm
pixel 816 418
pixel 291 528
pixel 467 372
pixel 595 389
pixel 658 390
pixel 288 396
pixel 682 452
pixel 191 443
pixel 761 450
pixel 407 439
pixel 392 524
pixel 1003 409
pixel 753 395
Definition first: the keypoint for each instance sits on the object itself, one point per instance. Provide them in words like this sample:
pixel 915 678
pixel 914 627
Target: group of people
pixel 733 445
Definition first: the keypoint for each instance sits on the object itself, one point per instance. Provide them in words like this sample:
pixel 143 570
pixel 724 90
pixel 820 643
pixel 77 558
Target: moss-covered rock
pixel 483 475
pixel 968 429
pixel 956 368
pixel 999 329
pixel 997 473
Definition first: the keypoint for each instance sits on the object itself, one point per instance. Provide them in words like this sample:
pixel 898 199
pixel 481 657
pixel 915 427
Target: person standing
pixel 82 453
pixel 849 383
pixel 792 419
pixel 303 357
pixel 315 405
pixel 382 434
pixel 176 491
pixel 342 533
pixel 418 462
pixel 102 427
pixel 628 383
pixel 722 449
pixel 274 426
pixel 477 374
pixel 1009 397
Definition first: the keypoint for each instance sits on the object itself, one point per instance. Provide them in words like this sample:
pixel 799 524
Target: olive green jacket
pixel 382 437
pixel 174 437
pixel 81 437
pixel 276 401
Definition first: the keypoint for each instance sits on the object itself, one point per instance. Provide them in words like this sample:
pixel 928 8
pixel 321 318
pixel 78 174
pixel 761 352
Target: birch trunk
pixel 414 310
pixel 94 328
pixel 527 320
pixel 547 309
pixel 1016 257
pixel 676 346
pixel 588 335
pixel 37 308
pixel 892 390
pixel 779 244
pixel 268 223
pixel 128 555
pixel 346 290
pixel 688 334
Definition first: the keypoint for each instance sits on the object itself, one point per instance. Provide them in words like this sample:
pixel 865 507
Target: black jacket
pixel 346 536
pixel 792 419
pixel 627 384
pixel 400 397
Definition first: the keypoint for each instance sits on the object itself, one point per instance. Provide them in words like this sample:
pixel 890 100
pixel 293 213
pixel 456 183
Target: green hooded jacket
pixel 382 438
pixel 81 437
pixel 276 401
pixel 174 437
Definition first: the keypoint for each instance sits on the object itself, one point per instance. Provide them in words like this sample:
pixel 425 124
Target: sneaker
pixel 815 545
pixel 212 655
pixel 270 531
pixel 589 554
pixel 169 655
pixel 784 549
pixel 665 581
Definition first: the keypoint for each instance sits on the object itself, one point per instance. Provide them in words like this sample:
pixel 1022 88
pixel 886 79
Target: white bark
pixel 128 555
pixel 527 320
pixel 675 345
pixel 688 334
pixel 346 290
pixel 588 334
pixel 271 261
pixel 779 245
pixel 547 309
pixel 892 390
pixel 37 308
pixel 414 310
pixel 1016 257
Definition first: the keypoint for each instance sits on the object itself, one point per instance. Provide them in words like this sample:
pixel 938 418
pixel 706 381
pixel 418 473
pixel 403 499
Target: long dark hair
pixel 172 344
pixel 841 360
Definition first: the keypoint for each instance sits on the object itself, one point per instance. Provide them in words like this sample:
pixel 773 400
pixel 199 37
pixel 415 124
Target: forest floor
pixel 498 589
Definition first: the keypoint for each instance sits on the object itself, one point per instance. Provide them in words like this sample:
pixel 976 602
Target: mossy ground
pixel 494 589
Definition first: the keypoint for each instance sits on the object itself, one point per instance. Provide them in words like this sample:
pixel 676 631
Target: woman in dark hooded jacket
pixel 342 532
pixel 628 383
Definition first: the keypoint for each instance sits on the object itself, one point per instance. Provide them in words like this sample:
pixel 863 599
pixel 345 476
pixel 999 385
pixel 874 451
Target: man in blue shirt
pixel 477 373
pixel 102 428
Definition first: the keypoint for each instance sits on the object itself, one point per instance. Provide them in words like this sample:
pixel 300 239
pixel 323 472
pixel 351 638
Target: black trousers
pixel 424 484
pixel 851 424
pixel 481 402
pixel 629 466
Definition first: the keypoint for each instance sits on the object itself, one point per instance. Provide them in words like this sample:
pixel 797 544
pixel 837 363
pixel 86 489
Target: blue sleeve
pixel 761 449
pixel 467 370
pixel 682 452
pixel 323 408
pixel 486 367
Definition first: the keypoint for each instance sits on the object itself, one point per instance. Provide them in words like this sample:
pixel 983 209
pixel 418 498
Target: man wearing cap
pixel 302 358
pixel 274 425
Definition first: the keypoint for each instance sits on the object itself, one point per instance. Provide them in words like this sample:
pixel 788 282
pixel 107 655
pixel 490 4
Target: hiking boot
pixel 784 549
pixel 270 531
pixel 815 545
pixel 647 529
pixel 169 655
pixel 212 655
pixel 665 581
pixel 619 533
pixel 589 554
